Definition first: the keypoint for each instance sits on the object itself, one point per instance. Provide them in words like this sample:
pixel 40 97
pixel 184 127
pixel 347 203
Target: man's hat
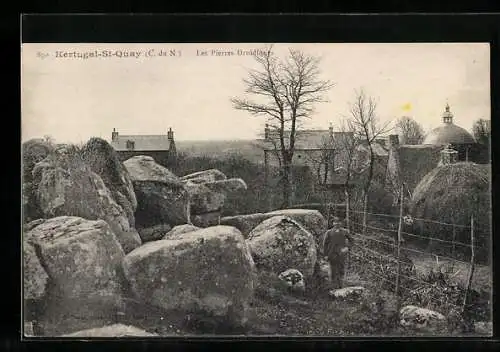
pixel 336 221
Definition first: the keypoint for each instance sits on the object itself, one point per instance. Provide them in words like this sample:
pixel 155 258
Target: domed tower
pixel 450 134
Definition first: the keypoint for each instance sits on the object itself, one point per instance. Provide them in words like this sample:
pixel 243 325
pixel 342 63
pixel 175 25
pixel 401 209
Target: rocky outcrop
pixel 180 230
pixel 81 256
pixel 33 151
pixel 35 278
pixel 422 319
pixel 209 270
pixel 66 186
pixel 104 161
pixel 115 330
pixel 312 220
pixel 280 243
pixel 154 233
pixel 161 196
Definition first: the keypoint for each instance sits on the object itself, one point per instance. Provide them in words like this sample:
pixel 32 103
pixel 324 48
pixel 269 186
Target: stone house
pixel 160 147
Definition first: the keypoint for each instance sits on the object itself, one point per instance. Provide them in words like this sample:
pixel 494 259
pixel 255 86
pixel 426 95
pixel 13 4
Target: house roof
pixel 304 139
pixel 142 142
pixel 378 149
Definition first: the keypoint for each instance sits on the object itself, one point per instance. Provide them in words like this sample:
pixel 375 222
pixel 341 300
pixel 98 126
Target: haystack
pixel 453 193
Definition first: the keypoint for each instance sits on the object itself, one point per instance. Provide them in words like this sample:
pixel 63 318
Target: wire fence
pixel 418 275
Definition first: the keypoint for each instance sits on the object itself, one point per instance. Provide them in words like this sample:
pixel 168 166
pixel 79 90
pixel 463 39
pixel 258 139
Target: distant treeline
pixel 259 198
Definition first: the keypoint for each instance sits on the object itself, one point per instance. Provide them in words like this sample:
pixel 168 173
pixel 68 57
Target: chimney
pixel 171 148
pixel 331 130
pixel 266 131
pixel 114 135
pixel 448 155
pixel 393 140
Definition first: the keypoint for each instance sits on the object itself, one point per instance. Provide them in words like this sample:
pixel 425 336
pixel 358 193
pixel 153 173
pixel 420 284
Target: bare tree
pixel 411 131
pixel 482 131
pixel 287 90
pixel 347 145
pixel 367 128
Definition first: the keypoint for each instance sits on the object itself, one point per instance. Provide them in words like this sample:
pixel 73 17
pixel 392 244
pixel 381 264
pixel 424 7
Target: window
pixel 130 145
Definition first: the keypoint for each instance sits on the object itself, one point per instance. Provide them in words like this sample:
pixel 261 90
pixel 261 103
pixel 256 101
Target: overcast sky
pixel 73 99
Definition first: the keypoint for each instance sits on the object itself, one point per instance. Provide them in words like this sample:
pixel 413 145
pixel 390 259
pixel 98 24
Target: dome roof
pixel 448 133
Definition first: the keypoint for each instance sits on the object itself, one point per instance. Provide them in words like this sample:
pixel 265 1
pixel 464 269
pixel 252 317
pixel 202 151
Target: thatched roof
pixel 416 161
pixel 453 193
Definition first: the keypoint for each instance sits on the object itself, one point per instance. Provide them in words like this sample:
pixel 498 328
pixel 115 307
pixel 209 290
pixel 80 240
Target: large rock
pixel 209 270
pixel 208 197
pixel 33 151
pixel 82 257
pixel 66 186
pixel 154 233
pixel 34 276
pixel 83 260
pixel 227 186
pixel 32 224
pixel 294 280
pixel 202 199
pixel 180 230
pixel 352 293
pixel 483 328
pixel 104 161
pixel 28 330
pixel 280 243
pixel 244 223
pixel 115 330
pixel 312 220
pixel 206 220
pixel 422 319
pixel 161 196
pixel 204 176
pixel 145 168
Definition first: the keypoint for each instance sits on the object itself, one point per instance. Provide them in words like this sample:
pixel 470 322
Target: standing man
pixel 335 246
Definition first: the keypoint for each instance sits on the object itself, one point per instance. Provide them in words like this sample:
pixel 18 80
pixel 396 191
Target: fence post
pixel 471 270
pixel 347 215
pixel 400 228
pixel 453 242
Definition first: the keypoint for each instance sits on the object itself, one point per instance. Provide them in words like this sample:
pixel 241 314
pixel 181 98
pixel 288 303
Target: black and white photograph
pixel 256 189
